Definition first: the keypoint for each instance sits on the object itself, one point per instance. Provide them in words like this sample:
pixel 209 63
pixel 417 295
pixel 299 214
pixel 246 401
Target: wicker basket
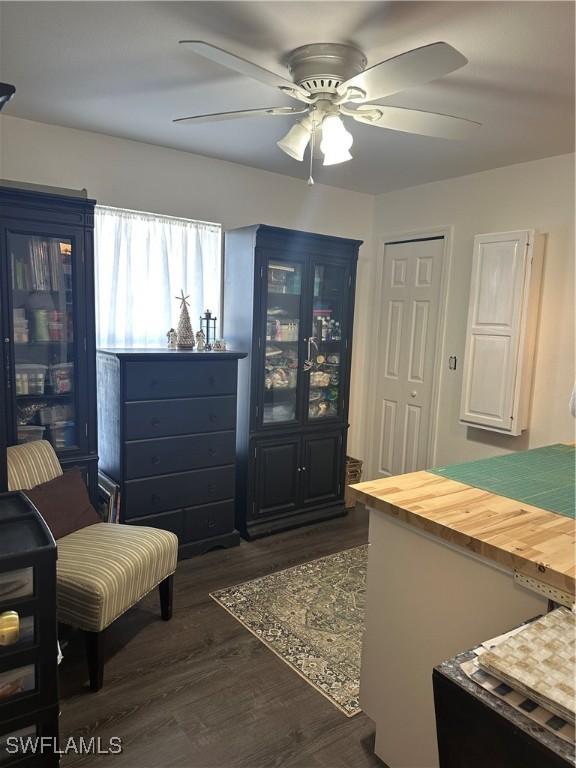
pixel 353 475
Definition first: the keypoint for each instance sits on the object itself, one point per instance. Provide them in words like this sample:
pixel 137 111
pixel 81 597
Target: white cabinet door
pixel 496 331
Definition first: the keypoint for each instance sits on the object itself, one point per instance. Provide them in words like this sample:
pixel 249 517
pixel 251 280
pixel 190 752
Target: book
pixel 109 494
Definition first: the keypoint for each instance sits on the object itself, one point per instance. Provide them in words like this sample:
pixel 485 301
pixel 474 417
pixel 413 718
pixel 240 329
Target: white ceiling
pixel 117 68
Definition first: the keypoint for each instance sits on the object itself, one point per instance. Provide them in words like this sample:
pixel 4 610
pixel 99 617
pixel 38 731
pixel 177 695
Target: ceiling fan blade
pixel 404 71
pixel 216 116
pixel 248 68
pixel 415 121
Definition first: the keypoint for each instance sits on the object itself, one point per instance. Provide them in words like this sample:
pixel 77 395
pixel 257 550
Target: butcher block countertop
pixel 535 542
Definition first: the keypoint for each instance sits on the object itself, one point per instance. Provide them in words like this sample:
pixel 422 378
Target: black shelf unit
pixel 47 320
pixel 289 299
pixel 29 653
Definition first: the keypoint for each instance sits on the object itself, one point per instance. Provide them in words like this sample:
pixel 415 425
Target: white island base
pixel 427 600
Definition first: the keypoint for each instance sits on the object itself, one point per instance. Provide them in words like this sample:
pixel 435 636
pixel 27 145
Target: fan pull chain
pixel 312 139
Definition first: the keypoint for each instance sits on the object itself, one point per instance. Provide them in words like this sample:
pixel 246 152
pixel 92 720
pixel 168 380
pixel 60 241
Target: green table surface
pixel 543 477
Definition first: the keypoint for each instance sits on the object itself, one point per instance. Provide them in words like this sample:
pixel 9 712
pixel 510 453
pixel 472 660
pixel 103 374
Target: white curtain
pixel 142 262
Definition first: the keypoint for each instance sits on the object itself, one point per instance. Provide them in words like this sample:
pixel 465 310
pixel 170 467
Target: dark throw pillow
pixel 64 503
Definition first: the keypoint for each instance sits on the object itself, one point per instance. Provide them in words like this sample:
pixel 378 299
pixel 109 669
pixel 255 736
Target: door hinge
pixel 255 451
pixel 86 429
pixel 8 361
pixel 262 271
pixel 257 412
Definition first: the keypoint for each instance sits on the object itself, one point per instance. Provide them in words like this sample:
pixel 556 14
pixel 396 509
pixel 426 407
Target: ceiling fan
pixel 331 81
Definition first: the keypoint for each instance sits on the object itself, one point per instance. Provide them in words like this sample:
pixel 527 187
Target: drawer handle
pixel 212 381
pixel 155 422
pixel 155 498
pixel 155 460
pixel 211 488
pixel 211 523
pixel 154 383
pixel 211 451
pixel 9 628
pixel 213 417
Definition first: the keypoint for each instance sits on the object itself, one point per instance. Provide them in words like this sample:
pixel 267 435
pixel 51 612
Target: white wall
pixel 537 195
pixel 145 177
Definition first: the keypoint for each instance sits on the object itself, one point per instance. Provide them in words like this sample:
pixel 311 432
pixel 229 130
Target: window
pixel 142 263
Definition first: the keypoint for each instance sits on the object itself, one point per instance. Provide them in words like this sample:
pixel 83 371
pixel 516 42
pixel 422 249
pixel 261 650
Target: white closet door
pixel 409 321
pixel 494 332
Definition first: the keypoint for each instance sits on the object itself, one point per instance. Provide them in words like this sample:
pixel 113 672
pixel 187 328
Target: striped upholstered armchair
pixel 103 569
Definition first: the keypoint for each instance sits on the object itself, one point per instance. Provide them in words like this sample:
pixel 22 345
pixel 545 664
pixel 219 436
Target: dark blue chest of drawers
pixel 167 436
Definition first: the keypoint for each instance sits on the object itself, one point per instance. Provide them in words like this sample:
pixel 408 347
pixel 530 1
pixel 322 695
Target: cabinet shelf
pixel 291 298
pixel 40 346
pixel 280 394
pixel 28 344
pixel 49 396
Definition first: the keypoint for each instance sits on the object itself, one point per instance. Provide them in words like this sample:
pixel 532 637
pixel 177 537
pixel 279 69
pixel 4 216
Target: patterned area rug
pixel 312 617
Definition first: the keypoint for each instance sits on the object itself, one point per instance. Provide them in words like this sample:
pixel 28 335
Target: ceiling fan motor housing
pixel 322 67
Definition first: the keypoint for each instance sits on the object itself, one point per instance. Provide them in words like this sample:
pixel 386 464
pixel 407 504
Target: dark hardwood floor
pixel 200 691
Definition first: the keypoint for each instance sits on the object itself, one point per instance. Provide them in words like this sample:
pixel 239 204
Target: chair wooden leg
pixel 95 657
pixel 166 588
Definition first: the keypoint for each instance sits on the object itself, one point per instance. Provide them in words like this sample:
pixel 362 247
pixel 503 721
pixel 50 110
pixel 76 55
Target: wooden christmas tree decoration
pixel 185 332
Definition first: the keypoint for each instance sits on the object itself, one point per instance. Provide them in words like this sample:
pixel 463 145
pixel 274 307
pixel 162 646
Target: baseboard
pixel 257 528
pixel 193 548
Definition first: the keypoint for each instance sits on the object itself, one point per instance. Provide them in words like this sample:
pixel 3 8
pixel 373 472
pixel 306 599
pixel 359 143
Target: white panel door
pixel 406 355
pixel 497 292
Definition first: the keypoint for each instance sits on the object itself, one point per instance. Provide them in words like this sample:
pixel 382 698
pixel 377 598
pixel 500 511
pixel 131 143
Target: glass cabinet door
pixel 326 346
pixel 281 379
pixel 43 336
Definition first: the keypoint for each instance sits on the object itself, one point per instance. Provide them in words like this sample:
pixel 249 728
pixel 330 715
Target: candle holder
pixel 208 326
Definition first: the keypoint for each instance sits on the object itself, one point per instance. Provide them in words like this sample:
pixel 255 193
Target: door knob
pixel 413 393
pixel 9 628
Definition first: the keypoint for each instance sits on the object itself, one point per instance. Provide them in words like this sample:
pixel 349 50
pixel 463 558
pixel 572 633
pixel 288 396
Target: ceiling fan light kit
pixel 326 77
pixel 297 139
pixel 336 141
